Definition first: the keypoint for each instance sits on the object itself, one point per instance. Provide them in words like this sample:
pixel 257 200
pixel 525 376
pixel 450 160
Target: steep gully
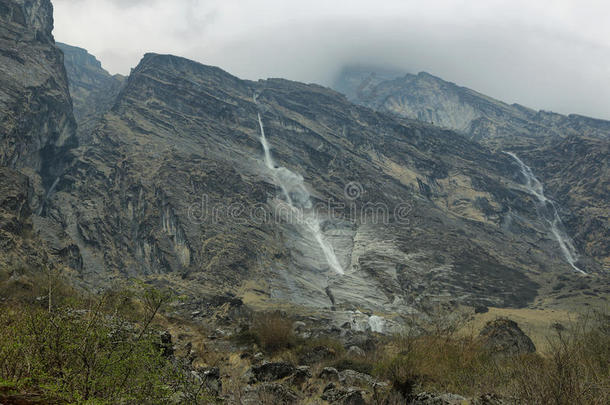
pixel 548 211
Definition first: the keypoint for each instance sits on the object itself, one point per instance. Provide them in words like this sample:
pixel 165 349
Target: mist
pixel 545 55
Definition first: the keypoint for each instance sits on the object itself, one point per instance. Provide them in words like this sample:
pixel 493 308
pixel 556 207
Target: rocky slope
pixel 575 172
pixel 92 88
pixel 569 153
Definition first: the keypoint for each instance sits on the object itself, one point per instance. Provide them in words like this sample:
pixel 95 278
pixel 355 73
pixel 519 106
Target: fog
pixel 551 55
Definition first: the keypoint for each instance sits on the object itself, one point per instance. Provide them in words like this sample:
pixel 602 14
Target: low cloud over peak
pixel 551 55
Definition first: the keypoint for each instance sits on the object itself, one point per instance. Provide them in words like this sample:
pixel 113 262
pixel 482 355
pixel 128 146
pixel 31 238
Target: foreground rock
pixel 504 337
pixel 271 371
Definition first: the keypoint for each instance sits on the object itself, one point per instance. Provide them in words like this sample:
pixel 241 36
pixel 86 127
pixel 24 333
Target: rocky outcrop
pixel 37 127
pixel 271 371
pixel 92 88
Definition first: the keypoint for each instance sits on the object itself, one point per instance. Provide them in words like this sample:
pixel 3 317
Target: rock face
pixel 92 88
pixel 505 337
pixel 37 132
pixel 575 171
pixel 37 127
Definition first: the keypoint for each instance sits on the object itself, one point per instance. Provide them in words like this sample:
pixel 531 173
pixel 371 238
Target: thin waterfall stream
pixel 548 211
pixel 298 200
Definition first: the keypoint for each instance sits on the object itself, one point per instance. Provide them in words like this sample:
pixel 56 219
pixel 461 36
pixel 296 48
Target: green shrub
pixel 91 354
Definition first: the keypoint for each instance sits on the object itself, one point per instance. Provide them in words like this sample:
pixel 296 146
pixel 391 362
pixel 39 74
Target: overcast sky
pixel 552 55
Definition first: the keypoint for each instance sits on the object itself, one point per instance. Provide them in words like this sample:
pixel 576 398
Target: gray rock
pixel 343 396
pixel 356 351
pixel 269 393
pixel 426 398
pixel 329 374
pixel 210 379
pixel 504 337
pixel 299 326
pixel 271 371
pixel 301 375
pixel 351 377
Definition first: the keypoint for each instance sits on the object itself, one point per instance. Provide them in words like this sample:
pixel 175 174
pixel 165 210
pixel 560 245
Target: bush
pixel 576 369
pixel 89 354
pixel 273 331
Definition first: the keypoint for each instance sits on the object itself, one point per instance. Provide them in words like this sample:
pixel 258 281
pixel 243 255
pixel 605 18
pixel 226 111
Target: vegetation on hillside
pixel 64 347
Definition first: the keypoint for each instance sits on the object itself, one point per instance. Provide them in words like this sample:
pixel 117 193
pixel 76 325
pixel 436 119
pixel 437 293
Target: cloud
pixel 553 55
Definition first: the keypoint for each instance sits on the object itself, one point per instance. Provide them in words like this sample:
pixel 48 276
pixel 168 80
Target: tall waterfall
pixel 298 201
pixel 548 211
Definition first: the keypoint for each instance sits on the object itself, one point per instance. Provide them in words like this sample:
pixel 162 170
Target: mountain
pixel 568 153
pixel 92 88
pixel 481 118
pixel 173 186
pixel 276 192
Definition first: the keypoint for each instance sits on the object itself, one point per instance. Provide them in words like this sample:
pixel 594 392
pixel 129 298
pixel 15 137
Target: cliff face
pixel 174 186
pixel 92 88
pixel 37 134
pixel 36 122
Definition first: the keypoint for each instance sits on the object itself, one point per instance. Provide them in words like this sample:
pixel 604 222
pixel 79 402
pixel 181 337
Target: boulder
pixel 504 337
pixel 269 393
pixel 342 396
pixel 329 373
pixel 317 355
pixel 301 375
pixel 351 377
pixel 356 351
pixel 271 371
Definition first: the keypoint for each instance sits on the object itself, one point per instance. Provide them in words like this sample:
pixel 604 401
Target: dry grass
pixel 574 368
pixel 535 323
pixel 273 331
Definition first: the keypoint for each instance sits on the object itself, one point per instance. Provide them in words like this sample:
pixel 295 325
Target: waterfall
pixel 548 211
pixel 298 200
pixel 47 195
